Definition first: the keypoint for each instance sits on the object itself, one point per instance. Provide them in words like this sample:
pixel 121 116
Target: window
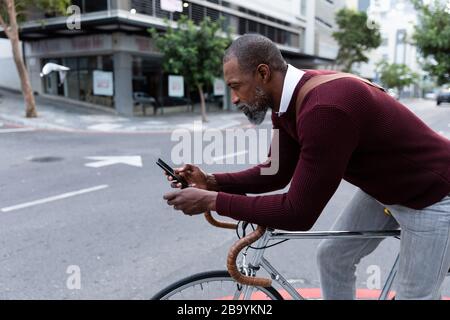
pixel 91 6
pixel 281 36
pixel 144 7
pixel 177 15
pixel 294 40
pixel 252 26
pixel 242 25
pixel 263 29
pixel 271 33
pixel 213 14
pixel 160 13
pixel 78 84
pixel 231 22
pixel 197 13
pixel 303 7
pixel 97 5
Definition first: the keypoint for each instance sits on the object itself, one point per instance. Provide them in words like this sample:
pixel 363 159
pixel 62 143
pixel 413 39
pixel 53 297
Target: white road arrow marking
pixel 135 161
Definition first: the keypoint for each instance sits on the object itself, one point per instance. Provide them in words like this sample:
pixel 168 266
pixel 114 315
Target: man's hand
pixel 195 177
pixel 192 201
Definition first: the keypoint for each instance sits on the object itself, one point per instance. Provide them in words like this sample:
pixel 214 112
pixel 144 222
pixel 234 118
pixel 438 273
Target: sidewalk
pixel 54 115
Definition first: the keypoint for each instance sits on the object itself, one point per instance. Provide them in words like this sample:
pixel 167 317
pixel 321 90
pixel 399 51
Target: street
pixel 110 221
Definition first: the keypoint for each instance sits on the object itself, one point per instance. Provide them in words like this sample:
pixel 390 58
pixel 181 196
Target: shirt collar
pixel 293 76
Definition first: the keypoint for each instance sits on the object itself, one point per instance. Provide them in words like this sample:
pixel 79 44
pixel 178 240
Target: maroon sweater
pixel 345 130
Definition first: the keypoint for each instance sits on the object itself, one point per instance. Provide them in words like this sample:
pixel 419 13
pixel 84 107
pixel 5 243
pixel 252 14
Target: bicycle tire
pixel 205 277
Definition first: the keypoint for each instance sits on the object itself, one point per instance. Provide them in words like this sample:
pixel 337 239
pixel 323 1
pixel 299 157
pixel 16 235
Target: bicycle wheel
pixel 212 285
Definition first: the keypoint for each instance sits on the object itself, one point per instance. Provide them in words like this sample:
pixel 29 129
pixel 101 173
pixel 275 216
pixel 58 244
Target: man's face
pixel 247 92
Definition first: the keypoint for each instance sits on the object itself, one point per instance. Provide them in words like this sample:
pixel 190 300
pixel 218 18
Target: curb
pixel 52 127
pixel 32 124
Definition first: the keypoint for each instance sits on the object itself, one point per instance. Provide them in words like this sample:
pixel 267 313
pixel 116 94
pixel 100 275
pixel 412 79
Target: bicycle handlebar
pixel 236 248
pixel 217 223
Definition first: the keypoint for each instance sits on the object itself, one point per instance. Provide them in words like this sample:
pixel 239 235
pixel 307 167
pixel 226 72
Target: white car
pixel 430 95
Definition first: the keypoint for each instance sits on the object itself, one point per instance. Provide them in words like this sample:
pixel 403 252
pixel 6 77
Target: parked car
pixel 143 99
pixel 443 96
pixel 430 95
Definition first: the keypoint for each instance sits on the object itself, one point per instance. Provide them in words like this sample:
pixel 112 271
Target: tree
pixel 396 75
pixel 432 37
pixel 11 14
pixel 194 52
pixel 355 36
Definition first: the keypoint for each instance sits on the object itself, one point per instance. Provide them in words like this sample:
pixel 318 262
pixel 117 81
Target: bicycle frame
pixel 259 261
pixel 244 276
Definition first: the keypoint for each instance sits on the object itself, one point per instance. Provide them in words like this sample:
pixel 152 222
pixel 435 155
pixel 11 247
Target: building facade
pixel 9 77
pixel 396 19
pixel 111 55
pixel 325 25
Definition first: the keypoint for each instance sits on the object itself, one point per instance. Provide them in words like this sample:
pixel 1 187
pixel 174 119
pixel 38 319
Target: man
pixel 345 129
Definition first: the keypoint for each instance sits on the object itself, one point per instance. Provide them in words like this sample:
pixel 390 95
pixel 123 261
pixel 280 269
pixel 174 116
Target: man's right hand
pixel 195 177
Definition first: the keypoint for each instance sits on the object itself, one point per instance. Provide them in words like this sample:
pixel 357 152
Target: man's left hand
pixel 192 200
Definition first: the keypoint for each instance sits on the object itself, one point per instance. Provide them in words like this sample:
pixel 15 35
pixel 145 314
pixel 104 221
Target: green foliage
pixel 432 37
pixel 195 52
pixel 52 7
pixel 354 37
pixel 396 75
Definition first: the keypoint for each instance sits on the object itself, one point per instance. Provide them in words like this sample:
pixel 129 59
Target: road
pixel 111 224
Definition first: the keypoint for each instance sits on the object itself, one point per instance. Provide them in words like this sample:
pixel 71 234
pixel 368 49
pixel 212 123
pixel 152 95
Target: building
pixel 112 56
pixel 9 77
pixel 396 19
pixel 325 25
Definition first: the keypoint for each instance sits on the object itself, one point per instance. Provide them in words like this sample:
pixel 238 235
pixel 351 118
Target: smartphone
pixel 168 169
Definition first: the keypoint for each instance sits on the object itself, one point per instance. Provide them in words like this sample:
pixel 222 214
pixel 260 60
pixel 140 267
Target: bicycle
pixel 241 282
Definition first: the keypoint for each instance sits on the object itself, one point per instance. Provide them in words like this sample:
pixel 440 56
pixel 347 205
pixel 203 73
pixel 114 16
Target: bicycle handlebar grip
pixel 232 256
pixel 217 223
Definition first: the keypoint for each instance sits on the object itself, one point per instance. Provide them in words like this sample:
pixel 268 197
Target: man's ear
pixel 263 72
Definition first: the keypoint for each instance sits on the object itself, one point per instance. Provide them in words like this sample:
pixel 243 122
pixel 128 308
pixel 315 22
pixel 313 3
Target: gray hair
pixel 251 50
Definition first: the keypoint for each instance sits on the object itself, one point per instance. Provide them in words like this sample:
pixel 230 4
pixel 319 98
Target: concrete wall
pixel 9 77
pixel 123 87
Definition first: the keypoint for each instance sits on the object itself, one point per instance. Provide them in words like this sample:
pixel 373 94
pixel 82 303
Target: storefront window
pixel 79 82
pixel 147 76
pixel 150 81
pixel 51 82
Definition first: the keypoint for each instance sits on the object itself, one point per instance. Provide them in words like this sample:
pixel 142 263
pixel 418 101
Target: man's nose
pixel 234 98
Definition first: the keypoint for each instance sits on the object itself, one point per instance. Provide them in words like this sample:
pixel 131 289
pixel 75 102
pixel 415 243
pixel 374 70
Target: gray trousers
pixel 424 250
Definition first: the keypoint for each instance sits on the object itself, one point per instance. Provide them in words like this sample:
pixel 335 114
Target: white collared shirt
pixel 293 76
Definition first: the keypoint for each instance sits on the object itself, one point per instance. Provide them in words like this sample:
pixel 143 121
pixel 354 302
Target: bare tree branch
pixel 3 22
pixel 11 7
